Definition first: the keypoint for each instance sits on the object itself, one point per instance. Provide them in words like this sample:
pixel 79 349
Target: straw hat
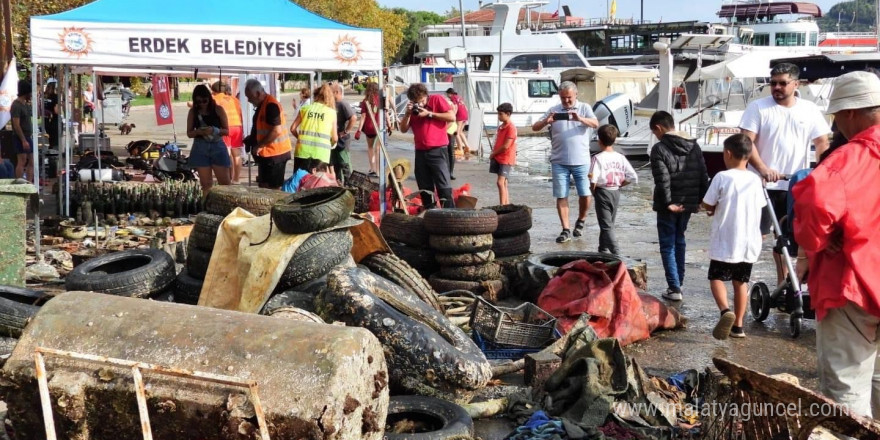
pixel 405 169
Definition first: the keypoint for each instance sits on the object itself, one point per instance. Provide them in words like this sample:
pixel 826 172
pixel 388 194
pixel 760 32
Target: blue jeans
pixel 670 231
pixel 562 175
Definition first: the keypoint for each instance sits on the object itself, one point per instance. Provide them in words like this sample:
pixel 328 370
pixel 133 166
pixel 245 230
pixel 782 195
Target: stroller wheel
pixel 794 325
pixel 759 300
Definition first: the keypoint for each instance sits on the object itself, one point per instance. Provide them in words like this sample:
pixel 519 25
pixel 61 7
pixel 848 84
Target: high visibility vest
pixel 281 144
pixel 231 106
pixel 317 122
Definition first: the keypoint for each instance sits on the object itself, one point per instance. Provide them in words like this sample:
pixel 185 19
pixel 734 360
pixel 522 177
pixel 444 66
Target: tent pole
pixel 384 134
pixel 36 161
pixel 95 126
pixel 68 133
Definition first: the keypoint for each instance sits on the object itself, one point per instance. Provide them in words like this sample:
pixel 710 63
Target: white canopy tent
pixel 207 35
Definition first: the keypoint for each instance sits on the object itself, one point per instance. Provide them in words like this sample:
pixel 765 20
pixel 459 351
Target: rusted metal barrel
pixel 315 380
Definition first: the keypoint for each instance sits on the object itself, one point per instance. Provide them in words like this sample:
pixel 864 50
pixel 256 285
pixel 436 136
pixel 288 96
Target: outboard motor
pixel 617 110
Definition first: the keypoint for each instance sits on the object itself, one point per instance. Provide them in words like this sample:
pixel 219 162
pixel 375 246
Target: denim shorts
pixel 209 154
pixel 562 175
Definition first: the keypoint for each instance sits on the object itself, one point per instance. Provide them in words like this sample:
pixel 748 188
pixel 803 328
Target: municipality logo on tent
pixel 347 49
pixel 75 41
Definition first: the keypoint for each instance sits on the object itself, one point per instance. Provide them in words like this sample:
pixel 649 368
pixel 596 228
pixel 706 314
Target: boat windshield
pixel 547 61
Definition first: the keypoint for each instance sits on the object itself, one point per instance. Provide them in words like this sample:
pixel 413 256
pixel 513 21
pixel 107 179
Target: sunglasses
pixel 780 83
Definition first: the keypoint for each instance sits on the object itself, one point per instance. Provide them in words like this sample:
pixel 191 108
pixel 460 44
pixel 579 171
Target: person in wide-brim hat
pixel 401 168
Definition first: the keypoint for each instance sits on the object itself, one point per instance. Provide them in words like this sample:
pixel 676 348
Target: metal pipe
pixel 68 133
pixel 141 396
pixel 382 130
pixel 35 149
pixel 45 398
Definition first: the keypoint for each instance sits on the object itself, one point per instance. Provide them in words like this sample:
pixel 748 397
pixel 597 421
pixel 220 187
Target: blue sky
pixel 655 10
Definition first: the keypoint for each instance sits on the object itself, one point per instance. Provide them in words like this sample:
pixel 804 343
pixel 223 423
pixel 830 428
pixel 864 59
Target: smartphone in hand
pixel 561 116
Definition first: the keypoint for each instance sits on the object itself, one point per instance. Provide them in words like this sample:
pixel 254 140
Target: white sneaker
pixel 672 295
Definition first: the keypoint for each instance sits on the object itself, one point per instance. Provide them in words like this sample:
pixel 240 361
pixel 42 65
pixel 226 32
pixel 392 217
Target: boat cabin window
pixel 791 39
pixel 481 62
pixel 484 92
pixel 814 38
pixel 761 40
pixel 530 61
pixel 542 88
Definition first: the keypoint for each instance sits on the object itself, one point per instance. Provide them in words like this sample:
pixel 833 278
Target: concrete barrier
pixel 315 381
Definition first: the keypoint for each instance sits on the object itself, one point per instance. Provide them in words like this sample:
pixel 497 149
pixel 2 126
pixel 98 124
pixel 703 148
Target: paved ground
pixel 768 348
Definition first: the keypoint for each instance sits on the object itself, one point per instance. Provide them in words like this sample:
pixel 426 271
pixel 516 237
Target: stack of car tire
pixel 462 242
pixel 219 202
pixel 511 237
pixel 408 239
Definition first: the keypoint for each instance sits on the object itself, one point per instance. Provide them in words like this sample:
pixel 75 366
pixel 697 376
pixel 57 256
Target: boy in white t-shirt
pixel 609 171
pixel 735 199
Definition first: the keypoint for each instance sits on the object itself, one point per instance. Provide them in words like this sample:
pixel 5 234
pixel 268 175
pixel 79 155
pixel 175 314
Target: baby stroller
pixel 790 296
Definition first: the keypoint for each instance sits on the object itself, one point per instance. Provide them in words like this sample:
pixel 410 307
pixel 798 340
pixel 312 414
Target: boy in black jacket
pixel 680 182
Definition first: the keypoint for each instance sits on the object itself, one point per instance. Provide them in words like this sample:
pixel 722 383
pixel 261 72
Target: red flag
pixel 555 14
pixel 162 100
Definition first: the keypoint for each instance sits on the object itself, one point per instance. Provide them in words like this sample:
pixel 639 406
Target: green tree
pixel 21 26
pixel 363 13
pixel 854 16
pixel 415 20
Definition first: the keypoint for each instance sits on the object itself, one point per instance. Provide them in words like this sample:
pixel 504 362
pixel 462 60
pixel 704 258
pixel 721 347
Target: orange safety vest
pixel 231 106
pixel 281 144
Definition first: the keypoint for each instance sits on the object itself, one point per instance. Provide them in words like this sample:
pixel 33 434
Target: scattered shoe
pixel 672 295
pixel 737 332
pixel 579 228
pixel 724 327
pixel 564 236
pixel 372 174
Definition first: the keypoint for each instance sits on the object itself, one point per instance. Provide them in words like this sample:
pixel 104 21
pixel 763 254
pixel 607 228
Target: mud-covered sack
pixel 426 353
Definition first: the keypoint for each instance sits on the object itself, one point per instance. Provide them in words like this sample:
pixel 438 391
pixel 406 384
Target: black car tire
pixel 469 259
pixel 448 420
pixel 17 307
pixel 187 289
pixel 460 244
pixel 460 221
pixel 136 273
pixel 512 219
pixel 483 272
pixel 197 262
pixel 403 228
pixel 513 245
pixel 315 257
pixel 312 210
pixel 204 231
pixel 394 269
pixel 223 199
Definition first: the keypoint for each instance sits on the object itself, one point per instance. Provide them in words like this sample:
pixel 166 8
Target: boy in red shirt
pixel 503 156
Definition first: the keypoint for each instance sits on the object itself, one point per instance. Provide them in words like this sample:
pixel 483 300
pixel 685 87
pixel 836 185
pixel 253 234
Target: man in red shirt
pixel 837 210
pixel 503 156
pixel 428 116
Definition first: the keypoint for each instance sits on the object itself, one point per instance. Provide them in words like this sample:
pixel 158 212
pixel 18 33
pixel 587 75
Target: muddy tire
pixel 135 273
pixel 314 258
pixel 223 199
pixel 425 352
pixel 536 272
pixel 290 298
pixel 510 246
pixel 394 269
pixel 403 228
pixel 472 259
pixel 197 262
pixel 312 210
pixel 460 221
pixel 512 219
pixel 17 307
pixel 443 285
pixel 204 231
pixel 421 259
pixel 460 244
pixel 483 272
pixel 187 288
pixel 445 419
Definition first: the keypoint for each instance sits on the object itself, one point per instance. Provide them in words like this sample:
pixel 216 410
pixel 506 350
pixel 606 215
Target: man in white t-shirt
pixel 782 128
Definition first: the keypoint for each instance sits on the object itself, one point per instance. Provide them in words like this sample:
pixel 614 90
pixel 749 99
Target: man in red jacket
pixel 837 210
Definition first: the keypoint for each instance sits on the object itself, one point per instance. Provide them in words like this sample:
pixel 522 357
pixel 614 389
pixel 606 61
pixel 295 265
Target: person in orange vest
pixel 268 141
pixel 233 140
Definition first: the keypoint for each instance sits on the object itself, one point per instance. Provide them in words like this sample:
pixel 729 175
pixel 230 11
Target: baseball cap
pixel 854 90
pixel 451 91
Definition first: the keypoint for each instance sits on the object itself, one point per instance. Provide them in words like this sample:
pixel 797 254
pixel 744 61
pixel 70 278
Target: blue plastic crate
pixel 499 351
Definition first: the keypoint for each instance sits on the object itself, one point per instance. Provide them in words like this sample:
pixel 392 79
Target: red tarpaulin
pixel 162 100
pixel 607 294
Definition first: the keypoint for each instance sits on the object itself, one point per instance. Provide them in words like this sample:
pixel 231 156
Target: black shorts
pixel 270 172
pixel 779 200
pixel 499 168
pixel 719 270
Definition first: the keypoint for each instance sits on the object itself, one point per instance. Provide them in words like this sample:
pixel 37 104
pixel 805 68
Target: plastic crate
pixel 363 187
pixel 495 351
pixel 526 326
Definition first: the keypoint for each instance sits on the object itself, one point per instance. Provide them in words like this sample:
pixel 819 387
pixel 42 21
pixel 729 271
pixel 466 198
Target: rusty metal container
pixel 316 381
pixel 14 195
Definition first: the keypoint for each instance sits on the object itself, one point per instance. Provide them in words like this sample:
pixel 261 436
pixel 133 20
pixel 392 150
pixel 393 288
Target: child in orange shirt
pixel 503 156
